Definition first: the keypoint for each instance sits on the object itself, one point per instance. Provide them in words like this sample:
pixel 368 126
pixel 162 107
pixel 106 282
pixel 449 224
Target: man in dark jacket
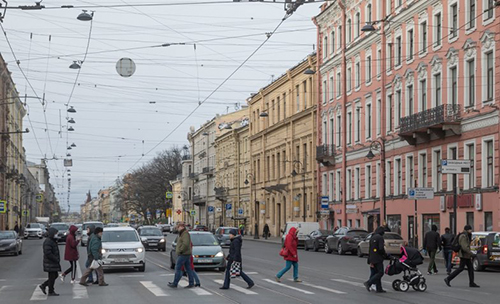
pixel 465 255
pixel 90 235
pixel 376 260
pixel 184 252
pixel 446 241
pixel 51 260
pixel 266 231
pixel 432 242
pixel 95 247
pixel 235 256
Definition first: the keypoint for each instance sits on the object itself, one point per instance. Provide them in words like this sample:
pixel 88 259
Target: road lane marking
pixel 132 276
pixel 3 280
pixel 237 288
pixel 349 282
pixel 196 290
pixel 321 287
pixel 154 289
pixel 38 295
pixel 79 291
pixel 290 287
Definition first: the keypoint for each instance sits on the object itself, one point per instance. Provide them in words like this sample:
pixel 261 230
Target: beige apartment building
pixel 282 148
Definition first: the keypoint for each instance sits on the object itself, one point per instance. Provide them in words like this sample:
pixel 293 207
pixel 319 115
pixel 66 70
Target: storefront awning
pixel 372 212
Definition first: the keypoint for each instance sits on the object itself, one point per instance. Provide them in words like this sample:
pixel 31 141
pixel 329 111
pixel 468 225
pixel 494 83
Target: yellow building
pixel 177 201
pixel 282 147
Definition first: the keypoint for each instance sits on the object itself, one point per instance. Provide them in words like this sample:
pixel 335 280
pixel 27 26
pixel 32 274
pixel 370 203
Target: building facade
pixel 416 89
pixel 282 148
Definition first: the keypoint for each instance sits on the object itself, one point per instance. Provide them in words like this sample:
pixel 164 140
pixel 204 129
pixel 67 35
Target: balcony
pixel 221 193
pixel 435 123
pixel 186 157
pixel 193 175
pixel 199 200
pixel 208 171
pixel 325 154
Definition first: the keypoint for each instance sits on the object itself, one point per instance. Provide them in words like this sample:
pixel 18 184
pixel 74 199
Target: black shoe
pixel 474 285
pixel 84 284
pixel 171 285
pixel 435 272
pixel 447 281
pixel 104 284
pixel 223 287
pixel 189 286
pixel 250 286
pixel 448 272
pixel 53 294
pixel 197 285
pixel 95 282
pixel 429 273
pixel 367 286
pixel 381 291
pixel 43 288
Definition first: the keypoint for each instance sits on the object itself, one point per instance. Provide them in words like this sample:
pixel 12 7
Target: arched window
pixel 358 24
pixel 325 46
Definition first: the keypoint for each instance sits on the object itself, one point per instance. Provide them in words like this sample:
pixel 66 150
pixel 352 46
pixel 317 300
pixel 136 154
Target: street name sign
pixel 455 166
pixel 421 193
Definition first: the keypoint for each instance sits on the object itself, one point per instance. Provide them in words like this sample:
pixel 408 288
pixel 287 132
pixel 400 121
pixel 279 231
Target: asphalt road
pixel 327 278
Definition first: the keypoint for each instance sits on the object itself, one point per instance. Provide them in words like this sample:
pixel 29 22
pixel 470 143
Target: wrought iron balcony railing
pixel 207 170
pixel 446 113
pixel 325 154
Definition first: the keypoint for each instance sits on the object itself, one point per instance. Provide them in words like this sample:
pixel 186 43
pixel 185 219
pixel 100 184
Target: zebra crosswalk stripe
pixel 198 291
pixel 38 295
pixel 321 288
pixel 154 289
pixel 289 287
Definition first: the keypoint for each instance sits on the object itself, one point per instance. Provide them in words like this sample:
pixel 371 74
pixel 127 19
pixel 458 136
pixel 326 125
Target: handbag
pixel 95 264
pixel 235 269
pixel 284 252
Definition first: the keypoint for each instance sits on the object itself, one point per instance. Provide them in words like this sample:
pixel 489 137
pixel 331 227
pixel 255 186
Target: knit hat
pixel 467 227
pixel 233 232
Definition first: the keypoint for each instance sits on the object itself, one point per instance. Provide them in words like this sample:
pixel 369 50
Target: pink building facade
pixel 421 88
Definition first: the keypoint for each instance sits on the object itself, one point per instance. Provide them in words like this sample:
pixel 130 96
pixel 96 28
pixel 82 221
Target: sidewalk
pixel 272 240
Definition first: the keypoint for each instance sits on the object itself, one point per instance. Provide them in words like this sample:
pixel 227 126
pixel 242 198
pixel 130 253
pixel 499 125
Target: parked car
pixel 304 228
pixel 344 240
pixel 222 235
pixel 316 239
pixel 392 244
pixel 207 253
pixel 34 230
pixel 486 246
pixel 111 225
pixel 152 238
pixel 165 227
pixel 10 243
pixel 200 228
pixel 122 248
pixel 83 232
pixel 62 231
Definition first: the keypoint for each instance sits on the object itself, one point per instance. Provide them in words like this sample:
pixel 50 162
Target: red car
pixel 200 228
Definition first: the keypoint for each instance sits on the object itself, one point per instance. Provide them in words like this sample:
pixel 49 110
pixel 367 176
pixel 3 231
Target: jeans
pixel 464 262
pixel 288 265
pixel 50 282
pixel 183 260
pixel 447 253
pixel 227 277
pixel 377 272
pixel 72 269
pixel 432 264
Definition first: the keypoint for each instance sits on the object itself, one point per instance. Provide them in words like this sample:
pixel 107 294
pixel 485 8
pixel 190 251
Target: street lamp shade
pixel 309 72
pixel 75 66
pixel 71 110
pixel 264 114
pixel 69 148
pixel 294 173
pixel 71 120
pixel 73 145
pixel 84 16
pixel 368 28
pixel 71 129
pixel 370 154
pixel 246 182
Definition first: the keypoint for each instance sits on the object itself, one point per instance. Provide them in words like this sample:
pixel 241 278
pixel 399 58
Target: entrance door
pixel 411 231
pixel 371 223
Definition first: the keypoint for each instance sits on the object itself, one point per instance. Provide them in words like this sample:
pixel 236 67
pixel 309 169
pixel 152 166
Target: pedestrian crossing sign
pixel 3 207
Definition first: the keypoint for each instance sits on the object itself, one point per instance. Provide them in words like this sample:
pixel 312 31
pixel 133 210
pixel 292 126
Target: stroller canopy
pixel 411 256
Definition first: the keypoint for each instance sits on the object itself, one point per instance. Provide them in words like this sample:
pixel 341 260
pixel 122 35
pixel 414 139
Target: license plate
pixel 121 260
pixel 205 260
pixel 394 245
pixel 153 244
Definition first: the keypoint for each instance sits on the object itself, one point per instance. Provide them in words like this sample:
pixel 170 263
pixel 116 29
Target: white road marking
pixel 157 291
pixel 79 291
pixel 251 272
pixel 196 290
pixel 167 274
pixel 349 282
pixel 132 276
pixel 237 288
pixel 321 287
pixel 286 286
pixel 38 295
pixel 3 280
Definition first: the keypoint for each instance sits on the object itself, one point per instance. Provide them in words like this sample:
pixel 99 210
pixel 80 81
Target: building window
pixel 377 179
pixel 324 92
pixel 339 135
pixel 284 105
pixel 332 132
pixel 389 56
pixel 423 30
pixel 389 110
pixel 331 88
pixel 368 181
pixel 470 219
pixel 454 20
pixel 489 76
pixel 472 175
pixel 399 108
pixel 337 186
pixel 297 98
pixel 330 187
pixel 368 69
pixel 325 47
pixel 410 44
pixel 339 85
pixel 369 13
pixel 304 85
pixel 490 6
pixel 379 120
pixel 340 36
pixel 454 85
pixel 324 184
pixel 423 170
pixel 471 18
pixel 349 31
pixel 470 82
pixel 410 100
pixel 356 183
pixel 358 24
pixel 490 177
pixel 368 121
pixel 410 171
pixel 399 47
pixel 437 28
pixel 349 185
pixel 333 41
pixel 349 128
pixel 423 95
pixel 388 178
pixel 436 171
pixel 379 64
pixel 399 179
pixel 349 80
pixel 437 89
pixel 488 221
pixel 357 76
pixel 358 124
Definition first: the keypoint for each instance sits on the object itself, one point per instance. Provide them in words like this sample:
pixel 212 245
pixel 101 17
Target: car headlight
pixel 220 254
pixel 66 233
pixel 162 241
pixel 139 249
pixel 103 251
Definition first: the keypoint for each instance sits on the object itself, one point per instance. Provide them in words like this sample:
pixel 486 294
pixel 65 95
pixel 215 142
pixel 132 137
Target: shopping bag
pixel 95 264
pixel 235 269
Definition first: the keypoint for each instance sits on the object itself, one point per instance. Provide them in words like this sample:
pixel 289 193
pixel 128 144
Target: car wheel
pixel 41 237
pixel 25 238
pixel 327 248
pixel 222 269
pixel 16 253
pixel 476 265
pixel 142 268
pixel 359 253
pixel 340 250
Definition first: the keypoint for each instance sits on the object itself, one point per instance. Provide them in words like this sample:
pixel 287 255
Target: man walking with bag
pixel 234 261
pixel 95 247
pixel 184 252
pixel 465 256
pixel 51 262
pixel 376 260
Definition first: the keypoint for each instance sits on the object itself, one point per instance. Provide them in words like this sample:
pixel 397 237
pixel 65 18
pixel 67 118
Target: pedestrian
pixel 95 247
pixel 184 252
pixel 90 235
pixel 51 262
pixel 16 228
pixel 289 253
pixel 446 241
pixel 195 275
pixel 376 260
pixel 432 242
pixel 234 256
pixel 242 229
pixel 266 231
pixel 386 227
pixel 71 254
pixel 465 255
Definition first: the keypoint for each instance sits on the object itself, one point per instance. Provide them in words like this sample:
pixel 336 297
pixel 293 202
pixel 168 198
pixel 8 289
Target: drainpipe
pixel 344 112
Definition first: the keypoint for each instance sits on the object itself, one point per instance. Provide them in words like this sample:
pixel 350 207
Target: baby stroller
pixel 407 264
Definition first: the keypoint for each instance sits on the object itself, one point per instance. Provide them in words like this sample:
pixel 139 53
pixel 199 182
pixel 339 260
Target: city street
pixel 327 278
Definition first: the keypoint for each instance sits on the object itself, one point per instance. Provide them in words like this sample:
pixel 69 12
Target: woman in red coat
pixel 290 255
pixel 71 253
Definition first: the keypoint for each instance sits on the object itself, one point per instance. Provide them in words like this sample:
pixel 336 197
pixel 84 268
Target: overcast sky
pixel 116 121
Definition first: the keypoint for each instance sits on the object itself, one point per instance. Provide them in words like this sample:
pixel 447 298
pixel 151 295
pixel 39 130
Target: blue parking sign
pixel 240 211
pixel 3 207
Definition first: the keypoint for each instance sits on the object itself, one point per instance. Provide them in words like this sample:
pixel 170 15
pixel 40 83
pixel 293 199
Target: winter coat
pixel 184 244
pixel 235 249
pixel 464 241
pixel 71 250
pixel 432 241
pixel 447 240
pixel 377 247
pixel 51 258
pixel 90 235
pixel 266 229
pixel 291 242
pixel 95 247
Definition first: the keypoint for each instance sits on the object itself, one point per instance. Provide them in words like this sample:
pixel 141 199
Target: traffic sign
pixel 26 212
pixel 324 202
pixel 169 195
pixel 211 209
pixel 3 207
pixel 229 206
pixel 324 212
pixel 456 166
pixel 39 197
pixel 240 211
pixel 421 193
pixel 219 209
pixel 193 212
pixel 179 211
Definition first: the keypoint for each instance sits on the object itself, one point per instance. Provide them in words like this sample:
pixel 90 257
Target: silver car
pixel 83 232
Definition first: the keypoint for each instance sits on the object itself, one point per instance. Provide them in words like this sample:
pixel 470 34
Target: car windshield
pixel 34 226
pixel 6 235
pixel 60 227
pixel 326 232
pixel 391 236
pixel 203 240
pixel 226 230
pixel 84 227
pixel 150 232
pixel 358 233
pixel 119 236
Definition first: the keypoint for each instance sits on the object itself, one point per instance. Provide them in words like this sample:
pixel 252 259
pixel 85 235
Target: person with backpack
pixel 432 242
pixel 446 242
pixel 461 244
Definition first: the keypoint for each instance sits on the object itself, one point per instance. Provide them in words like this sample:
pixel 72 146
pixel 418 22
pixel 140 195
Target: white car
pixel 33 230
pixel 122 248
